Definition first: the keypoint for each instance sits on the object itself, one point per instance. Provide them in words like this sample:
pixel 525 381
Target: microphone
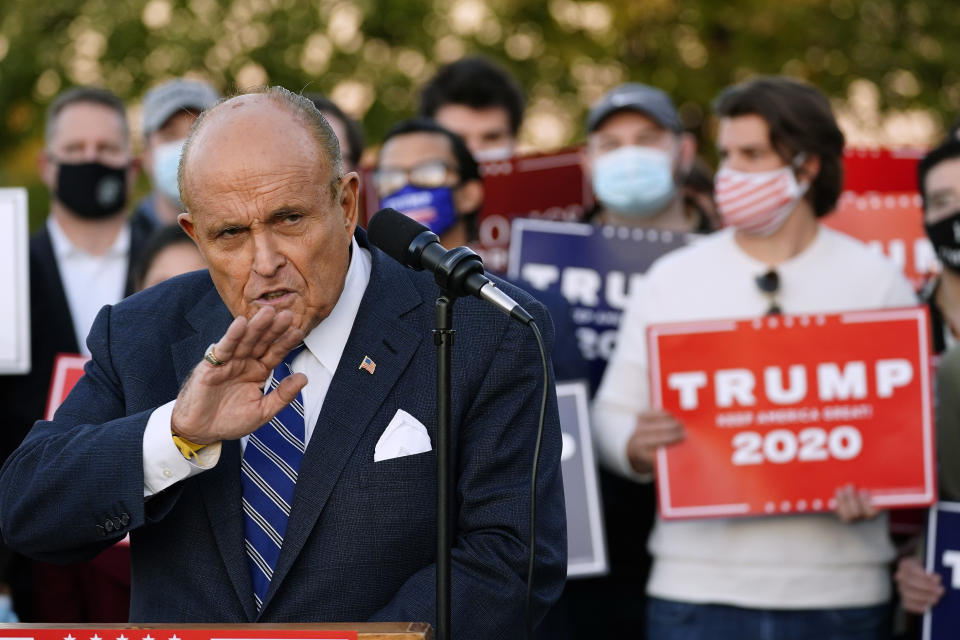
pixel 458 271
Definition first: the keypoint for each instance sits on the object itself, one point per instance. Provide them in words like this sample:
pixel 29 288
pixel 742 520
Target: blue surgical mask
pixel 634 181
pixel 166 160
pixel 431 207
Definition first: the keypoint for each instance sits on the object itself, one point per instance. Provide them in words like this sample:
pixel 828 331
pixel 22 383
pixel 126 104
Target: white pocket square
pixel 404 436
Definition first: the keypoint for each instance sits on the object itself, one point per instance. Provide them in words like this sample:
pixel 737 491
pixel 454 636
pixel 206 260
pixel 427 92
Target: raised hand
pixel 226 402
pixel 655 429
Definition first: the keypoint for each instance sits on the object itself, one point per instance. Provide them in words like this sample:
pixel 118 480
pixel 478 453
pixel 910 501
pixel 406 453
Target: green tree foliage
pixel 371 56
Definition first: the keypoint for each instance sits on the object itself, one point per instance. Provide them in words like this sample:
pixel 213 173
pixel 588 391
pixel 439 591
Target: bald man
pixel 264 432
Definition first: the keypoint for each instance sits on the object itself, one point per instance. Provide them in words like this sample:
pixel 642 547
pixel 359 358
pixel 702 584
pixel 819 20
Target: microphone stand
pixel 443 339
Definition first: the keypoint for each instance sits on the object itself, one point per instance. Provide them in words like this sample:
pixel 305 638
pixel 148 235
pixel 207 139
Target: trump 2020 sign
pixel 781 411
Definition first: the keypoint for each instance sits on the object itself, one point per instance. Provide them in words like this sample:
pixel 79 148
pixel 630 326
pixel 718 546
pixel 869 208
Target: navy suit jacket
pixel 51 332
pixel 361 536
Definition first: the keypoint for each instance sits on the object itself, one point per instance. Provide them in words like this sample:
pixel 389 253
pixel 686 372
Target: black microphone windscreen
pixel 392 232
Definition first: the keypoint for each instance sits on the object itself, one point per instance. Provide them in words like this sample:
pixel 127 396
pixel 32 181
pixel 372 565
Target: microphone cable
pixel 533 481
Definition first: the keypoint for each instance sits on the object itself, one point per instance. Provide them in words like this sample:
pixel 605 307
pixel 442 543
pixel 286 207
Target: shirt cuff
pixel 613 428
pixel 163 464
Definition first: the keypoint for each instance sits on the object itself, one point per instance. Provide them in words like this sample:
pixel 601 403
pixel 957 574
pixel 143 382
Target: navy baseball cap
pixel 641 98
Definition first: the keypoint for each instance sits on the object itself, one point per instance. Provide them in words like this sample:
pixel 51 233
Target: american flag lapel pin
pixel 368 365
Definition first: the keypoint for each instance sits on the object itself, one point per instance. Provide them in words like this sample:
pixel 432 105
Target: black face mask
pixel 92 190
pixel 945 236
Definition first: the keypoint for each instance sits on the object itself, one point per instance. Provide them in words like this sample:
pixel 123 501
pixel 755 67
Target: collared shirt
pixel 164 465
pixel 90 282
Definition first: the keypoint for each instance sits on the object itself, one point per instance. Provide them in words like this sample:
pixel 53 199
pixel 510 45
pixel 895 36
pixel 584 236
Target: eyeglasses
pixel 427 175
pixel 769 285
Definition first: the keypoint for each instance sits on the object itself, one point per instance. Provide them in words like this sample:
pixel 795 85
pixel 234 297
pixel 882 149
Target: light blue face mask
pixel 634 181
pixel 166 160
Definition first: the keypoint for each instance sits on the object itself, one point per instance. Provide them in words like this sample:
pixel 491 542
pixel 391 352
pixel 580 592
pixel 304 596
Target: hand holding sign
pixel 854 505
pixel 655 429
pixel 919 589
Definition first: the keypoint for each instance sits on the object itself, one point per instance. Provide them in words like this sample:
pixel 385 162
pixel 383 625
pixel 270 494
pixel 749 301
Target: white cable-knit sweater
pixel 783 562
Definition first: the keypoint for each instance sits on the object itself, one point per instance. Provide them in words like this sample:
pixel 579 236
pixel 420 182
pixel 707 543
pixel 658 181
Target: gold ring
pixel 212 358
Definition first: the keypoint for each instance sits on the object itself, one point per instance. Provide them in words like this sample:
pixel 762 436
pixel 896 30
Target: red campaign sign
pixel 891 223
pixel 545 186
pixel 881 170
pixel 67 370
pixel 782 411
pixel 25 632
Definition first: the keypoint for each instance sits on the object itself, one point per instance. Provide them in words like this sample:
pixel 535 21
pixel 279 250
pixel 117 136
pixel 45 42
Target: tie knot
pixel 297 350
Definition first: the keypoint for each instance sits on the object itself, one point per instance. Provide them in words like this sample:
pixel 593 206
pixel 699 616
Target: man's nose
pixel 89 153
pixel 267 258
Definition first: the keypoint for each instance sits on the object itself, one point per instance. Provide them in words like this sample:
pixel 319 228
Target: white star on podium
pixel 95 637
pixel 121 637
pixel 148 637
pixel 174 637
pixel 69 636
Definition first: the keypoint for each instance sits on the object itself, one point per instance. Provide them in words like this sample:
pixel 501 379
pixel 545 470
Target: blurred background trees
pixel 885 63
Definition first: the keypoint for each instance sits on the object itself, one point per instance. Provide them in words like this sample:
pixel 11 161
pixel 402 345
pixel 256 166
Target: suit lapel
pixel 353 399
pixel 220 486
pixel 49 278
pixel 209 319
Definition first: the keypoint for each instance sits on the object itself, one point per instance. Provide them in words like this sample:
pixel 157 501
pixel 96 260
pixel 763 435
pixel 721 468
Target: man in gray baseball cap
pixel 637 157
pixel 169 110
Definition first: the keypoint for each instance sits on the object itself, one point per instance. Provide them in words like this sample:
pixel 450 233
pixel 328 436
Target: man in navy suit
pixel 159 438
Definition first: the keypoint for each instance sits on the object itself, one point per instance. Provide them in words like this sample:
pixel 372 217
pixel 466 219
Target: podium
pixel 265 631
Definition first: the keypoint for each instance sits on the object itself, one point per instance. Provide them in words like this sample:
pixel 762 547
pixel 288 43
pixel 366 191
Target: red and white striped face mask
pixel 757 203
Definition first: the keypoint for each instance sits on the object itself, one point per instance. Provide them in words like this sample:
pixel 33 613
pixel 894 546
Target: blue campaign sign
pixel 943 556
pixel 593 267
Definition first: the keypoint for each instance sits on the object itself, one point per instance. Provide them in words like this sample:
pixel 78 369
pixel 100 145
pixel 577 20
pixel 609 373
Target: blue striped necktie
pixel 271 461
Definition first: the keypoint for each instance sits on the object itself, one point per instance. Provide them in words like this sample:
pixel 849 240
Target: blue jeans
pixel 672 620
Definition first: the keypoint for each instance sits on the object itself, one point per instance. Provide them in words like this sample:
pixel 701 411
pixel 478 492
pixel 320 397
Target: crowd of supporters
pixel 764 252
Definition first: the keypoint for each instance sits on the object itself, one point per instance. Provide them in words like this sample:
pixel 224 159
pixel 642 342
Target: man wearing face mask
pixel 822 575
pixel 636 158
pixel 169 110
pixel 79 261
pixel 938 178
pixel 427 172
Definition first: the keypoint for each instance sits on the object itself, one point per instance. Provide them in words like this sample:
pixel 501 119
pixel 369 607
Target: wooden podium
pixel 266 631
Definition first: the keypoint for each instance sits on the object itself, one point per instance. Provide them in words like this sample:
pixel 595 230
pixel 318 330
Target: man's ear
pixel 47 170
pixel 133 170
pixel 350 201
pixel 686 152
pixel 185 220
pixel 146 160
pixel 468 197
pixel 809 169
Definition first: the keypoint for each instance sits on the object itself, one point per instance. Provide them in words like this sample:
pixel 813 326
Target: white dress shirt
pixel 90 282
pixel 164 465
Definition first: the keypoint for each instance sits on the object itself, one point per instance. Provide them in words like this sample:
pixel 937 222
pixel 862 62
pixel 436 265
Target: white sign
pixel 14 282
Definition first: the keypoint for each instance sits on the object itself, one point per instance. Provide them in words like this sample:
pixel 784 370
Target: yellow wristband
pixel 187 449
